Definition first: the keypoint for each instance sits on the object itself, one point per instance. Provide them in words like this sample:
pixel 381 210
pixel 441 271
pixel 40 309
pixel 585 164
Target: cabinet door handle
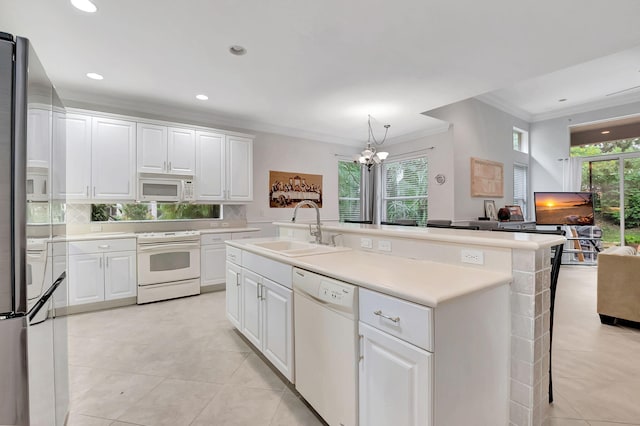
pixel 44 187
pixel 100 263
pixel 237 279
pixel 380 314
pixel 87 191
pixel 258 291
pixel 104 246
pixel 170 168
pixel 107 261
pixel 361 346
pixel 94 191
pixel 164 166
pixel 262 292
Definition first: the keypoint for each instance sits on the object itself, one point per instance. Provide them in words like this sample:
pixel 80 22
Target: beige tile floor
pixel 180 362
pixel 596 367
pixel 173 363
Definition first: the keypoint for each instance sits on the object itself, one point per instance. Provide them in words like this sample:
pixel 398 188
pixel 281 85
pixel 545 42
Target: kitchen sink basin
pixel 297 248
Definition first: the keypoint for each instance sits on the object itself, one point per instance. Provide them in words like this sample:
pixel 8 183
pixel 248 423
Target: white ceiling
pixel 319 67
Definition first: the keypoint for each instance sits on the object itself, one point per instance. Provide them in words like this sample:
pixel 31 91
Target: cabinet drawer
pixel 209 239
pixel 234 255
pixel 244 235
pixel 407 321
pixel 102 246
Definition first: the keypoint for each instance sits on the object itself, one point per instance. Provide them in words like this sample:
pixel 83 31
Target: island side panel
pixel 471 357
pixel 530 337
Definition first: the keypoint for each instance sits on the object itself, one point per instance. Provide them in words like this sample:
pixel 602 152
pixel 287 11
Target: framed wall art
pixel 487 178
pixel 286 189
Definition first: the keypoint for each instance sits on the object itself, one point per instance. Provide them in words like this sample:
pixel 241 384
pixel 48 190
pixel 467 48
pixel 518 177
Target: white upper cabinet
pixel 152 148
pixel 239 169
pixel 77 134
pixel 224 167
pixel 113 159
pixel 38 137
pixel 210 166
pixel 181 151
pixel 167 150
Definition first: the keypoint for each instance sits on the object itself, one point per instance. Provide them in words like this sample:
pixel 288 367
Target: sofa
pixel 618 286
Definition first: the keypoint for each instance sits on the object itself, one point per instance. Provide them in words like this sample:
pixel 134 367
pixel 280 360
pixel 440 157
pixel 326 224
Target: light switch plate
pixel 366 243
pixel 384 245
pixel 475 257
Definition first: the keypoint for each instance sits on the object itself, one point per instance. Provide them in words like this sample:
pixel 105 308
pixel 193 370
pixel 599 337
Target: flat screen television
pixel 564 208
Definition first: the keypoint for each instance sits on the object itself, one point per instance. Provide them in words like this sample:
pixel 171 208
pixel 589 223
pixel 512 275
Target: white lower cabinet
pixel 101 270
pixel 395 381
pixel 277 326
pixel 212 259
pixel 86 278
pixel 267 311
pixel 251 308
pixel 261 307
pixel 233 288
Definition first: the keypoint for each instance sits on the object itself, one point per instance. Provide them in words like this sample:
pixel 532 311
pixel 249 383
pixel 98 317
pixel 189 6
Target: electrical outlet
pixel 475 257
pixel 366 243
pixel 384 245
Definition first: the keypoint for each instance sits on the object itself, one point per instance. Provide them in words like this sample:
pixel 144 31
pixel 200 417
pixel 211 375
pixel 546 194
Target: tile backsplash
pixel 76 214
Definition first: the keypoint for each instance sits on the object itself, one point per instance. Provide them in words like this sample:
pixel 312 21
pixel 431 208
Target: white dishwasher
pixel 326 346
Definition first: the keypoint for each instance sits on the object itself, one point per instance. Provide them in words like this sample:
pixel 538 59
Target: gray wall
pixel 482 131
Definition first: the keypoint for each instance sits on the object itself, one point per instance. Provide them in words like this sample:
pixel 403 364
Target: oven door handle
pixel 168 247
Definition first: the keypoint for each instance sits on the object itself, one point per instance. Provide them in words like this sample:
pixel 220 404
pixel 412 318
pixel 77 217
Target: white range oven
pixel 168 265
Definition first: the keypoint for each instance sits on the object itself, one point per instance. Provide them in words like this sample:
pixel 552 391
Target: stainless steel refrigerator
pixel 33 337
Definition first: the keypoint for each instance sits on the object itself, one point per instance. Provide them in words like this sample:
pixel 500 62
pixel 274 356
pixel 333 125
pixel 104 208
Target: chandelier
pixel 370 155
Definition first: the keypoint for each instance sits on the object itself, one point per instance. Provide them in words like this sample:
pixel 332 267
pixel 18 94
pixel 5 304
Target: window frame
pixel 356 215
pixel 383 193
pixel 523 140
pixel 522 202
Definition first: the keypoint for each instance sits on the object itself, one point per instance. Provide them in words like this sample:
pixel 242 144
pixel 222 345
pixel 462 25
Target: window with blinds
pixel 520 140
pixel 405 189
pixel 520 187
pixel 349 187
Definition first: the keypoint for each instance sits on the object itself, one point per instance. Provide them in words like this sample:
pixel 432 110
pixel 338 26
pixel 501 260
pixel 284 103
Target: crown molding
pixel 613 101
pixel 440 127
pixel 502 105
pixel 154 110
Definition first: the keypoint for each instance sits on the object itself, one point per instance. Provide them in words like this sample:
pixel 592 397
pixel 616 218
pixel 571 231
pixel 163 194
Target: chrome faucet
pixel 318 232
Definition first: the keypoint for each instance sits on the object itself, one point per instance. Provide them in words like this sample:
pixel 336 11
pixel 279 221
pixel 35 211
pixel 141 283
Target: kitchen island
pixel 456 271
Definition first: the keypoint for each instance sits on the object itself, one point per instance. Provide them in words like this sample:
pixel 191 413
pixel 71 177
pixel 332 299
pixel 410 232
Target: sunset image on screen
pixel 564 208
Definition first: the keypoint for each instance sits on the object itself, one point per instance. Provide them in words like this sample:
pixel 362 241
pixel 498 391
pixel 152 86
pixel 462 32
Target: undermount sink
pixel 297 248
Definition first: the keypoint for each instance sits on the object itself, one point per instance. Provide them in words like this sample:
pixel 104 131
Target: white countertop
pixel 224 230
pixel 517 240
pixel 423 282
pixel 117 235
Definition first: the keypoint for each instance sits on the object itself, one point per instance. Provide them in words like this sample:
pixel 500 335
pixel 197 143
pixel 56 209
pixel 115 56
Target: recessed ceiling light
pixel 94 76
pixel 237 50
pixel 605 132
pixel 84 5
pixel 562 100
pixel 202 97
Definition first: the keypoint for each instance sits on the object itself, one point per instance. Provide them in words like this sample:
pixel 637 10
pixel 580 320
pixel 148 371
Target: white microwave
pixel 167 189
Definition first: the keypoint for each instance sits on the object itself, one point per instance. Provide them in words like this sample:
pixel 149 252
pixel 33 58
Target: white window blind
pixel 349 187
pixel 405 189
pixel 520 187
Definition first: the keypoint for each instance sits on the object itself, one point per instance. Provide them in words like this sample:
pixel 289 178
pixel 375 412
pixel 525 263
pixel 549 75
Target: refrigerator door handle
pixel 46 296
